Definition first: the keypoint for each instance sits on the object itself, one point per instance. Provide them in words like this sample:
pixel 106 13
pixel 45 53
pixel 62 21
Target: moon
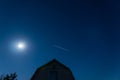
pixel 21 45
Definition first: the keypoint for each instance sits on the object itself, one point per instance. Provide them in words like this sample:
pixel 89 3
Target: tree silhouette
pixel 11 76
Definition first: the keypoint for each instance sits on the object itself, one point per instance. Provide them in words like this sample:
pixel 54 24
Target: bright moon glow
pixel 21 45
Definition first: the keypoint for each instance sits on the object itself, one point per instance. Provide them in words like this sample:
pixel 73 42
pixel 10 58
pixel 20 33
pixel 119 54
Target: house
pixel 53 70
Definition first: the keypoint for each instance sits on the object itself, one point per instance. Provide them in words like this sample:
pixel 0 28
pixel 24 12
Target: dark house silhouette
pixel 54 70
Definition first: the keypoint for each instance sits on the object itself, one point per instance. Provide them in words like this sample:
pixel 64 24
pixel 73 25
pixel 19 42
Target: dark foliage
pixel 11 76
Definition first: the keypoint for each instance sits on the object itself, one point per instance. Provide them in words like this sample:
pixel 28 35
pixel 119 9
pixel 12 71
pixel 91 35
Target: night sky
pixel 82 34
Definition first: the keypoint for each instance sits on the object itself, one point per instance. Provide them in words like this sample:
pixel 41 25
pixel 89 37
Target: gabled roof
pixel 49 63
pixel 54 61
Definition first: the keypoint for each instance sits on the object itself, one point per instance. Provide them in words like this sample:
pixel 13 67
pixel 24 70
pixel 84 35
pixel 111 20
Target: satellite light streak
pixel 59 47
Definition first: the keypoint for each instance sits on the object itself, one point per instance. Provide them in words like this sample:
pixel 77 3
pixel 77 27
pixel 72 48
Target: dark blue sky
pixel 88 29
